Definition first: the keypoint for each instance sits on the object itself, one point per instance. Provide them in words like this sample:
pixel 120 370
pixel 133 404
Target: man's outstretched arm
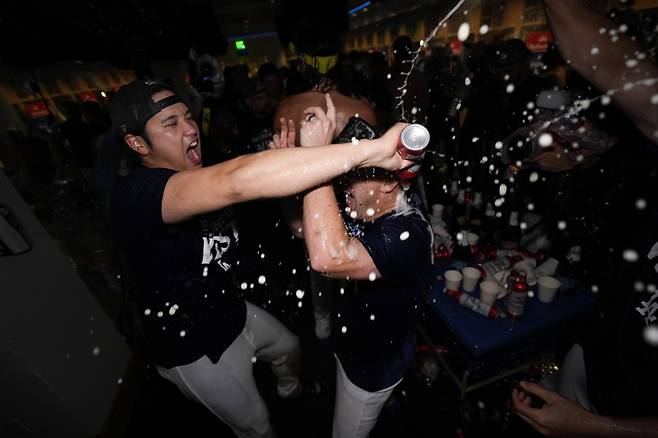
pixel 272 174
pixel 609 62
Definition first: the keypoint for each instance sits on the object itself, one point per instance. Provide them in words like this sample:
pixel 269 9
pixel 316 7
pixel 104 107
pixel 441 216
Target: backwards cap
pixel 133 105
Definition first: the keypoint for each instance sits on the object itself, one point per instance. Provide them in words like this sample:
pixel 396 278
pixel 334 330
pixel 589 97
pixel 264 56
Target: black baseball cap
pixel 132 106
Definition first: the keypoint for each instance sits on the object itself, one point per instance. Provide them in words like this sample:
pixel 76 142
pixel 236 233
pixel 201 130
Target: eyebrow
pixel 168 119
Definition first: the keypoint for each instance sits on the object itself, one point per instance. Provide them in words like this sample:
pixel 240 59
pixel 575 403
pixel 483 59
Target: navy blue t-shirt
pixel 379 317
pixel 185 293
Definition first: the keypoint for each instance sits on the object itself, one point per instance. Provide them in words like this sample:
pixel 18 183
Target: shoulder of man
pixel 140 191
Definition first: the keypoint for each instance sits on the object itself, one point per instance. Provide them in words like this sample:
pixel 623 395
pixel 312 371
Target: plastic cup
pixel 472 239
pixel 453 279
pixel 489 291
pixel 548 287
pixel 528 266
pixel 471 277
pixel 547 268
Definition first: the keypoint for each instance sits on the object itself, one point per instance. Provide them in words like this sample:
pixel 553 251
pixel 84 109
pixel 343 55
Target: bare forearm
pixel 324 229
pixel 626 427
pixel 283 172
pixel 269 174
pixel 603 59
pixel 576 30
pixel 592 425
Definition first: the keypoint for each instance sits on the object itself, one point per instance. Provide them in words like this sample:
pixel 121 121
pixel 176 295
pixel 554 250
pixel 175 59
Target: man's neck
pixel 387 204
pixel 324 85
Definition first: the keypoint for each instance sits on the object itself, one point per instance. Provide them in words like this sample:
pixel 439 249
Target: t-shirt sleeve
pixel 399 246
pixel 139 197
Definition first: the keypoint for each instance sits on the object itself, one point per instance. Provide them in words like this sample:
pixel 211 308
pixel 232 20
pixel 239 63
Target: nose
pixel 191 128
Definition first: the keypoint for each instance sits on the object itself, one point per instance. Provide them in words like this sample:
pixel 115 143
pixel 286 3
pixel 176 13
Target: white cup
pixel 437 210
pixel 472 238
pixel 547 268
pixel 452 279
pixel 471 277
pixel 489 291
pixel 548 287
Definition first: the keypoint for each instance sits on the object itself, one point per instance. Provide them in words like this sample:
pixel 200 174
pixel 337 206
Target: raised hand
pixel 318 127
pixel 286 136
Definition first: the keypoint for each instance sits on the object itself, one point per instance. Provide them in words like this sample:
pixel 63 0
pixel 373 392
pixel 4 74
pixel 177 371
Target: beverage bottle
pixel 477 200
pixel 443 243
pixel 488 310
pixel 492 267
pixel 461 197
pixel 517 298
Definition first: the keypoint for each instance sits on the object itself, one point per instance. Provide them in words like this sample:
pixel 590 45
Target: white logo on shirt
pixel 648 308
pixel 214 248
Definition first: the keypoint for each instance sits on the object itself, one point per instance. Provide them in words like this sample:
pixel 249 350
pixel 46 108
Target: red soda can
pixel 413 141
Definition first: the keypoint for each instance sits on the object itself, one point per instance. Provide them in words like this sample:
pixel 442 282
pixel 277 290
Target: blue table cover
pixel 480 335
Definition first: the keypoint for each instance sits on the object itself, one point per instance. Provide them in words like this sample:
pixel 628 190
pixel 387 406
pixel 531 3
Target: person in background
pixel 317 50
pixel 607 384
pixel 272 80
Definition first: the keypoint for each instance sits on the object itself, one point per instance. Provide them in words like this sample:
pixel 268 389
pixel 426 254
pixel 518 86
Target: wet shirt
pixel 376 320
pixel 183 273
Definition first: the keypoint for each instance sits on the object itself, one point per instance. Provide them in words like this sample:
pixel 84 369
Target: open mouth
pixel 194 153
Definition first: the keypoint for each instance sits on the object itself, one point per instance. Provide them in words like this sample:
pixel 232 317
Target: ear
pixel 137 144
pixel 389 185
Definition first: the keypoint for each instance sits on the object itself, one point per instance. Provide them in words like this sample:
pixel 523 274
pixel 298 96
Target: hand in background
pixel 318 127
pixel 286 136
pixel 559 417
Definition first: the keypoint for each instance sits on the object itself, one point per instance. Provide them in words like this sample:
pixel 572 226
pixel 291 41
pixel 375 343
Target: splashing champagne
pixel 416 53
pixel 413 141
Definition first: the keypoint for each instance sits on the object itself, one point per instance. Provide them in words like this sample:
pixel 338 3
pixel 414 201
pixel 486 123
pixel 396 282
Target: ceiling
pixel 244 17
pixel 122 31
pixel 239 17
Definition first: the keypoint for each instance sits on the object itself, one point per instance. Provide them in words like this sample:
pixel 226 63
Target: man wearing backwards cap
pixel 385 253
pixel 175 222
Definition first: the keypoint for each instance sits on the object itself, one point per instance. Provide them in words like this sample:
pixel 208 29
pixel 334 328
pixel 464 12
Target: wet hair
pixel 370 173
